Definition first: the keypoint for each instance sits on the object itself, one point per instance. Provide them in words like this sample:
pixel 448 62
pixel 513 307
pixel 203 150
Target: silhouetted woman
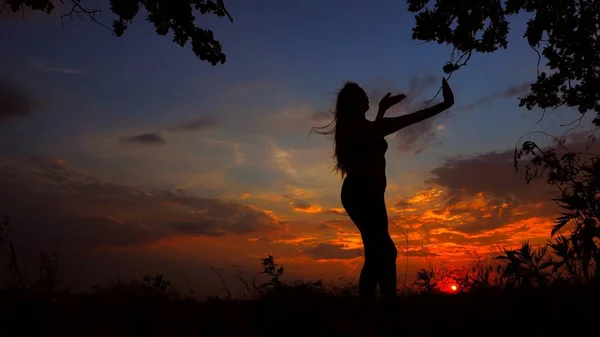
pixel 360 158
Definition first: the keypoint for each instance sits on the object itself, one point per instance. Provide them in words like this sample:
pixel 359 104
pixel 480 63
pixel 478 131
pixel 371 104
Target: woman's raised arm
pixel 385 126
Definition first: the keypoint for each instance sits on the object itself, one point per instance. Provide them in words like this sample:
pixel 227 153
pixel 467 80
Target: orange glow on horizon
pixel 316 240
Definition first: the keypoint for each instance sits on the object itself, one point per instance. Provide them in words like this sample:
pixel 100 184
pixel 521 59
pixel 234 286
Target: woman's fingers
pixel 399 98
pixel 447 92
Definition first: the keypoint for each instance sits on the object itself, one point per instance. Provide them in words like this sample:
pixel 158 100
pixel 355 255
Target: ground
pixel 491 313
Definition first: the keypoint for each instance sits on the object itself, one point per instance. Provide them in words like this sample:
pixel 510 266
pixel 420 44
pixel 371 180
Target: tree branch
pixel 455 68
pixel 77 9
pixel 577 120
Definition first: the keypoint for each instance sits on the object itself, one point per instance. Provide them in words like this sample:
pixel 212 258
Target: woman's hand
pixel 388 101
pixel 447 92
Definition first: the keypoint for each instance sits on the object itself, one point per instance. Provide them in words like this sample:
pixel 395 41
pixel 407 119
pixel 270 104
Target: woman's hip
pixel 364 201
pixel 358 187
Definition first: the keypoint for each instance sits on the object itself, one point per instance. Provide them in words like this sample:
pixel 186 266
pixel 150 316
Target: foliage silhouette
pixel 426 280
pixel 565 31
pixel 576 176
pixel 15 278
pixel 167 16
pixel 525 267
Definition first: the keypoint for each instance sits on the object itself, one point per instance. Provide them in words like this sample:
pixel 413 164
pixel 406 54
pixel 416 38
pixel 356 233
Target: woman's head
pixel 352 103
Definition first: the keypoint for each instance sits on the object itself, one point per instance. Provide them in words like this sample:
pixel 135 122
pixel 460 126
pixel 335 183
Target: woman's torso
pixel 367 160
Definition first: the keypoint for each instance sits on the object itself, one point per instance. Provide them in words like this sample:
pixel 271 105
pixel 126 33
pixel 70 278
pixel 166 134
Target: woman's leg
pixel 380 262
pixel 389 254
pixel 356 199
pixel 366 207
pixel 387 276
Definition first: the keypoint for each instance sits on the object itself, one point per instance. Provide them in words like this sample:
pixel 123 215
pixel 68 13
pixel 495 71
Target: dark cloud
pixel 402 204
pixel 56 206
pixel 514 90
pixel 491 172
pixel 340 252
pixel 298 203
pixel 145 139
pixel 305 206
pixel 154 138
pixel 338 226
pixel 484 101
pixel 484 241
pixel 420 136
pixel 332 251
pixel 336 212
pixel 511 91
pixel 197 124
pixel 417 253
pixel 487 193
pixel 500 191
pixel 14 102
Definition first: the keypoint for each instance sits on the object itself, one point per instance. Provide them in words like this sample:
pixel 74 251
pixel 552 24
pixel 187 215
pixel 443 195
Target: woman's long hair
pixel 345 110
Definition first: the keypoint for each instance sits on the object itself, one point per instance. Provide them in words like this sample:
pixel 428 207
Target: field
pixel 136 311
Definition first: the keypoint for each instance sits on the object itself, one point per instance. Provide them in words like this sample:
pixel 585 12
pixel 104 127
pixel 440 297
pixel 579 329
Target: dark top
pixel 366 158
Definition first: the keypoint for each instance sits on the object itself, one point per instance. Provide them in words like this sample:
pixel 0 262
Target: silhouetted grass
pixel 271 307
pixel 137 310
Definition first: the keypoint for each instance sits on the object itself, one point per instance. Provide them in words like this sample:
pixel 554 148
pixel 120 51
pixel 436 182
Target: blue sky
pixel 285 62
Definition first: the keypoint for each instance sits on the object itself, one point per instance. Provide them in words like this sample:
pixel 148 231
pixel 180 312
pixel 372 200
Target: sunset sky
pixel 129 156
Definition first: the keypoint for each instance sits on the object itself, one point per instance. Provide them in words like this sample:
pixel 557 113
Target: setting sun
pixel 453 287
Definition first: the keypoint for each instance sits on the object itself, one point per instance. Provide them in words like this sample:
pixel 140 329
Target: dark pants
pixel 363 200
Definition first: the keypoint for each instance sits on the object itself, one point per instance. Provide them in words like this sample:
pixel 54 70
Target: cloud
pixel 43 66
pixel 484 193
pixel 154 138
pixel 57 206
pixel 419 198
pixel 197 124
pixel 461 239
pixel 490 173
pixel 332 251
pixel 14 102
pixel 509 92
pixel 476 201
pixel 514 90
pixel 417 253
pixel 145 139
pixel 304 206
pixel 337 211
pixel 300 205
pixel 282 158
pixel 420 136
